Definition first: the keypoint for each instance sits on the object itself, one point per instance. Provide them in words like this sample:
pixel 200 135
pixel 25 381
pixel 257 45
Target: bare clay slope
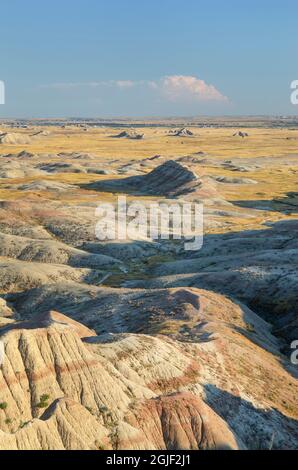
pixel 229 354
pixel 105 407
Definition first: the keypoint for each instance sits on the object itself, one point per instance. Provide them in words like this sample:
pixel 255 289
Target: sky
pixel 129 58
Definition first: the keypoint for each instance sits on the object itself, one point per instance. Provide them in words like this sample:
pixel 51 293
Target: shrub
pixel 42 404
pixel 44 397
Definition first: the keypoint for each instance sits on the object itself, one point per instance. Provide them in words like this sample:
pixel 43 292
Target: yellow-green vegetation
pixel 43 403
pixel 218 142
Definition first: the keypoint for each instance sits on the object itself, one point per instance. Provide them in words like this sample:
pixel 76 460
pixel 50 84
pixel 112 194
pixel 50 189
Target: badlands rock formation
pixel 15 138
pixel 138 343
pixel 129 135
pixel 18 138
pixel 184 132
pixel 170 179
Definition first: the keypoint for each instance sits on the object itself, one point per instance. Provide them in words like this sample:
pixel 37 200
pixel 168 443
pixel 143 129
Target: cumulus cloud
pixel 183 87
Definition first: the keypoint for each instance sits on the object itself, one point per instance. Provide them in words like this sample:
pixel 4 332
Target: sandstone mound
pixel 97 171
pixel 76 155
pixel 61 167
pixel 170 179
pixel 129 135
pixel 121 135
pixel 183 132
pixel 228 180
pixel 22 155
pixel 13 138
pixel 46 185
pixel 18 275
pixel 11 222
pixel 51 251
pixel 25 154
pixel 234 167
pixel 191 159
pixel 136 136
pixel 16 169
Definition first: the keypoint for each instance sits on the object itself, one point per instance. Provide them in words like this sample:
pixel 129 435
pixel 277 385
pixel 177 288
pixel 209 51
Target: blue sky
pixel 147 58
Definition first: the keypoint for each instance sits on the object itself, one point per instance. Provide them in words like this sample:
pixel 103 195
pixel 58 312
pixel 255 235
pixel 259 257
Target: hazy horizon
pixel 151 117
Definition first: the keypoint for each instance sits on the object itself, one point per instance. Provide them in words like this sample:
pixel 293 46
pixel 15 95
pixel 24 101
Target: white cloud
pixel 124 83
pixel 183 87
pixel 70 85
pixel 109 83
